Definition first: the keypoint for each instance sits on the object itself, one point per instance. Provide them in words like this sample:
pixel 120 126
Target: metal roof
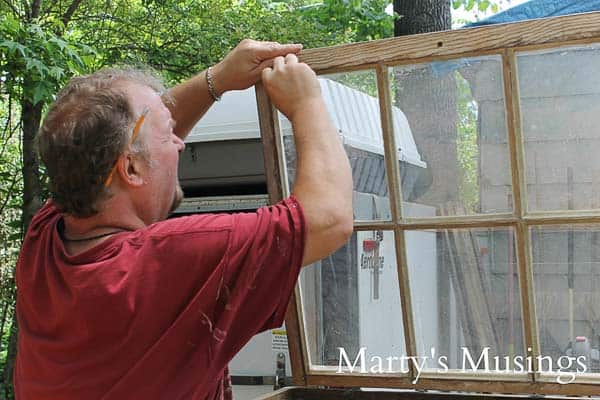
pixel 354 113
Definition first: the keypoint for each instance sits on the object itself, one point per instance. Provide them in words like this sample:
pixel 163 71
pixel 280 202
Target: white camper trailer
pixel 222 169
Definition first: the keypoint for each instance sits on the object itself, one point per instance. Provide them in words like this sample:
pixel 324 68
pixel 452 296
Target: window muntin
pixel 561 33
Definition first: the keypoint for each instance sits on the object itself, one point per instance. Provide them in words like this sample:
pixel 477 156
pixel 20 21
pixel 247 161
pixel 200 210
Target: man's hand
pixel 291 85
pixel 323 183
pixel 241 68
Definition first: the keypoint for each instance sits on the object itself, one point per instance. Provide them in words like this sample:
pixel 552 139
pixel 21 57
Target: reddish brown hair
pixel 83 135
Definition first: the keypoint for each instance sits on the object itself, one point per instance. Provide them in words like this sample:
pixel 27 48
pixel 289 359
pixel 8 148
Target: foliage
pixel 355 20
pixel 35 61
pixel 479 5
pixel 43 44
pixel 179 38
pixel 11 187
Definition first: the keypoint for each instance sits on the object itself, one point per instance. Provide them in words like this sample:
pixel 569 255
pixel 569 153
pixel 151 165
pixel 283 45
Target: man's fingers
pixel 274 49
pixel 291 58
pixel 266 63
pixel 266 73
pixel 278 62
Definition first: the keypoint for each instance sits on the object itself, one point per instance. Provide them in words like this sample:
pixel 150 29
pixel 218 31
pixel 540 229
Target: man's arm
pixel 240 69
pixel 323 183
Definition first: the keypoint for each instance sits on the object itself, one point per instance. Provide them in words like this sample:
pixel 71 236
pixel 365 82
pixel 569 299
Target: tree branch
pixel 66 18
pixel 35 8
pixel 27 9
pixel 12 7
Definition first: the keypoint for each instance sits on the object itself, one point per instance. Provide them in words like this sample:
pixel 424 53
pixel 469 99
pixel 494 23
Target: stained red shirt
pixel 152 314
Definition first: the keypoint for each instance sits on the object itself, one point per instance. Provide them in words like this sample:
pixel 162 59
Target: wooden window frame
pixel 506 41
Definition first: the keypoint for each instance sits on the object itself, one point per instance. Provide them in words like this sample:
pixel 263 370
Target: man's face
pixel 161 183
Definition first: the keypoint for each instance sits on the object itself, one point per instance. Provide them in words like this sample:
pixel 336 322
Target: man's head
pixel 87 134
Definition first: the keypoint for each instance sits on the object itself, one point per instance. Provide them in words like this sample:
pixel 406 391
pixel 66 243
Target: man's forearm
pixel 323 181
pixel 188 102
pixel 239 70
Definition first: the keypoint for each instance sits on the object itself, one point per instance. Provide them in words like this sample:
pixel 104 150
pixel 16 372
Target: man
pixel 116 302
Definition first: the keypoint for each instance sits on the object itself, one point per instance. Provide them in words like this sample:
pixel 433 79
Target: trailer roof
pixel 355 115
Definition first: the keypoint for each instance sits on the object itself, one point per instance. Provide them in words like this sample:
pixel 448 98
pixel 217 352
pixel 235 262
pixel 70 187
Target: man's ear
pixel 130 170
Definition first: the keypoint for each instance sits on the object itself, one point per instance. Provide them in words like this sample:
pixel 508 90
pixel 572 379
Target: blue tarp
pixel 539 9
pixel 530 10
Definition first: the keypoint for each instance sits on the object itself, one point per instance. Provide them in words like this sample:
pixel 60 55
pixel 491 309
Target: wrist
pixel 210 83
pixel 307 107
pixel 219 85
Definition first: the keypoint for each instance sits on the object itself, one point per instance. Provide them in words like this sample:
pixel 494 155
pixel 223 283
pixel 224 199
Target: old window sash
pixel 506 41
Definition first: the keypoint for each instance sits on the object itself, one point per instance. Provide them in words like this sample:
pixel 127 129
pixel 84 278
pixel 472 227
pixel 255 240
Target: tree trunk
pixel 32 184
pixel 430 107
pixel 421 16
pixel 429 104
pixel 31 116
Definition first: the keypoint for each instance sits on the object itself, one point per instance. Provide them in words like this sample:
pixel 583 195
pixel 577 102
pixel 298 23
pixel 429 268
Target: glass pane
pixel 351 99
pixel 465 294
pixel 560 112
pixel 455 114
pixel 566 270
pixel 351 301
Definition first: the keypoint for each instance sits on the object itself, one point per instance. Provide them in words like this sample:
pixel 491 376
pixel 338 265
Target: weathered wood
pixel 457 42
pixel 467 384
pixel 297 339
pixel 273 158
pixel 506 41
pixel 472 221
pixel 311 393
pixel 281 394
pixel 562 217
pixel 373 225
pixel 269 130
pixel 393 175
pixel 513 125
pixel 517 154
pixel 497 220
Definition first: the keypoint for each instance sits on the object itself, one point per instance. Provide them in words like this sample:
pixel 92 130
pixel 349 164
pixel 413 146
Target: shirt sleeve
pixel 199 289
pixel 260 272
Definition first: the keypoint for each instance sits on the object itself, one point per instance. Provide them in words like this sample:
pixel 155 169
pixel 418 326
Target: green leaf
pixel 60 43
pixel 34 63
pixel 12 46
pixel 483 5
pixel 15 236
pixel 40 92
pixel 14 224
pixel 57 72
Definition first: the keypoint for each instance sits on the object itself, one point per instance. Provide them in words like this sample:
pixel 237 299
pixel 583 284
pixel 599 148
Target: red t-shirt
pixel 152 314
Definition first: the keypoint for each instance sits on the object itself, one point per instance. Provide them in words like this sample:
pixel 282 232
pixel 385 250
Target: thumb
pixel 268 63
